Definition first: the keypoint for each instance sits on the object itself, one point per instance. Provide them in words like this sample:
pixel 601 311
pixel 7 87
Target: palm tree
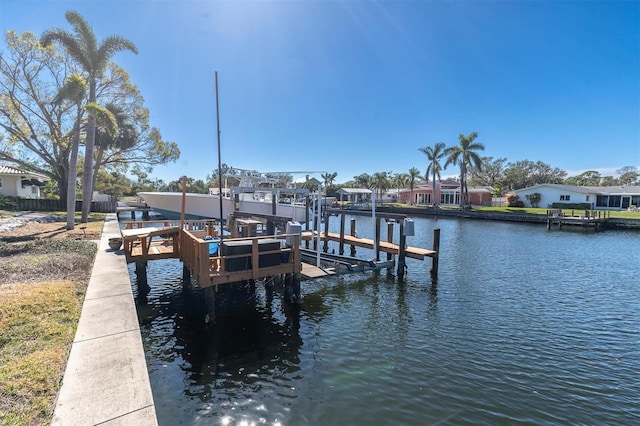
pixel 434 155
pixel 380 183
pixel 74 89
pixel 465 155
pixel 125 136
pixel 83 47
pixel 399 180
pixel 329 178
pixel 413 176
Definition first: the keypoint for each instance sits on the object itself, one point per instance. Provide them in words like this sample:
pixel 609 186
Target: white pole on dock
pixel 373 214
pixel 319 208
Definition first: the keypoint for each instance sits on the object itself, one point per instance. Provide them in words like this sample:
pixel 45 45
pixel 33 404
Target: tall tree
pixel 380 182
pixel 328 178
pixel 362 181
pixel 465 156
pixel 629 175
pixel 588 178
pixel 36 129
pixel 414 175
pixel 83 47
pixel 491 174
pixel 525 173
pixel 399 180
pixel 434 155
pixel 74 89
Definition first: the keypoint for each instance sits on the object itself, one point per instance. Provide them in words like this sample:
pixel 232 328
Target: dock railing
pixel 239 259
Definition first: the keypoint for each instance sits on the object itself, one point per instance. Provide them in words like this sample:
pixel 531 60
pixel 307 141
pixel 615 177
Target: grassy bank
pixel 44 272
pixel 614 214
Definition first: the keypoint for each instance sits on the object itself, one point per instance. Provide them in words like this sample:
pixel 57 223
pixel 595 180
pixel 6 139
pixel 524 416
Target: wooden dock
pixel 589 220
pixel 383 246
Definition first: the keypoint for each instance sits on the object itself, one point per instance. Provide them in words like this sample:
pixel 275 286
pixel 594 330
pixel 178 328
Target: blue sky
pixel 358 86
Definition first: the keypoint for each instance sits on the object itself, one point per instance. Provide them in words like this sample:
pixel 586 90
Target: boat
pixel 248 197
pixel 206 206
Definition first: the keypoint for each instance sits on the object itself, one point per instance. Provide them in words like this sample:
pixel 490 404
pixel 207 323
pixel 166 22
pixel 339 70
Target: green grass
pixel 615 214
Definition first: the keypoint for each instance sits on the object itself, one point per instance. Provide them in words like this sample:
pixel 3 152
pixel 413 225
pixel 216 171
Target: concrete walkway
pixel 106 379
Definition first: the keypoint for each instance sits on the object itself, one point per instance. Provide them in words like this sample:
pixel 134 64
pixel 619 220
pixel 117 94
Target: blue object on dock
pixel 214 245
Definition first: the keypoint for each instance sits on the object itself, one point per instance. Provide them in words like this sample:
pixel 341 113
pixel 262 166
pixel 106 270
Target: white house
pixel 598 197
pixel 20 183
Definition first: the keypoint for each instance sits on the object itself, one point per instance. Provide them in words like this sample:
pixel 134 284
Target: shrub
pixel 513 200
pixel 571 206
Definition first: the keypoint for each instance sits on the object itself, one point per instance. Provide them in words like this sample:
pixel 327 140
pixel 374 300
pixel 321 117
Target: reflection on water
pixel 523 326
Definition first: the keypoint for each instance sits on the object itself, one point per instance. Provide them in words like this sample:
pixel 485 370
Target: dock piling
pixel 436 249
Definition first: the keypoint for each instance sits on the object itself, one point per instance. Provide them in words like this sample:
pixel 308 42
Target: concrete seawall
pixel 106 379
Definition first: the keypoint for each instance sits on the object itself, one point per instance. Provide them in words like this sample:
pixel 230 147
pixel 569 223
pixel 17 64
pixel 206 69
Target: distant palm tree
pixel 399 180
pixel 434 155
pixel 93 57
pixel 465 155
pixel 380 182
pixel 328 178
pixel 414 174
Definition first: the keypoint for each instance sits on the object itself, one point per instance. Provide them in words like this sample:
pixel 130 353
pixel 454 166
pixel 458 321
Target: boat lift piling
pixel 402 250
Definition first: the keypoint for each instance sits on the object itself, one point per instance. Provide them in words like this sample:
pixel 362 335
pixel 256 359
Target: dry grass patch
pixel 37 325
pixel 44 272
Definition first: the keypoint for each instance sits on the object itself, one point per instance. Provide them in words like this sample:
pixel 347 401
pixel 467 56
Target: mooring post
pixel 141 269
pixel 145 214
pixel 401 252
pixel 210 305
pixel 436 255
pixel 186 277
pixel 377 253
pixel 307 203
pixel 353 234
pixel 341 246
pixel 292 288
pixel 325 246
pixel 133 215
pixel 389 238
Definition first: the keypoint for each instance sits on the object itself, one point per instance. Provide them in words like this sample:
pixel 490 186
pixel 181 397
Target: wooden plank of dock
pixel 412 252
pixel 312 271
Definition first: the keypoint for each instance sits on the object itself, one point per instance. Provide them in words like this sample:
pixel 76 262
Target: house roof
pixel 597 190
pixel 354 191
pixel 7 170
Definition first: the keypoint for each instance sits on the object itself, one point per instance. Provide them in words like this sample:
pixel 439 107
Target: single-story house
pixel 355 195
pixel 599 197
pixel 447 192
pixel 20 183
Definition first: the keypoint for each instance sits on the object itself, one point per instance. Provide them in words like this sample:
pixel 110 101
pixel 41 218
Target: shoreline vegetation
pixel 44 273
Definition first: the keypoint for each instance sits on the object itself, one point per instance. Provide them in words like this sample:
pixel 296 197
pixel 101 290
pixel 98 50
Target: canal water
pixel 523 326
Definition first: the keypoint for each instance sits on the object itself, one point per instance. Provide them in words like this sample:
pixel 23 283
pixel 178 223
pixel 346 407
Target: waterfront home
pixel 598 197
pixel 447 192
pixel 355 196
pixel 20 183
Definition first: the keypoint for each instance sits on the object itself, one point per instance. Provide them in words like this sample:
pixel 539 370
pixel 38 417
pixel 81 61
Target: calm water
pixel 524 326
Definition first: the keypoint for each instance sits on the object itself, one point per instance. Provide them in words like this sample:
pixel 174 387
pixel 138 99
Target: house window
pixel 587 199
pixel 34 189
pixel 565 197
pixel 0 182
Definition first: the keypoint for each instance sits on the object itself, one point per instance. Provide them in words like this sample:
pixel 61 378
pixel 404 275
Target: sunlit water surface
pixel 523 325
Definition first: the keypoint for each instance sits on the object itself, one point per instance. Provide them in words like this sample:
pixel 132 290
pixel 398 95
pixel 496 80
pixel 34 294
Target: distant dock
pixel 591 219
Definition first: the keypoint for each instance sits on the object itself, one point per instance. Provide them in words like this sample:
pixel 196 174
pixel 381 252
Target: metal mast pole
pixel 219 160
